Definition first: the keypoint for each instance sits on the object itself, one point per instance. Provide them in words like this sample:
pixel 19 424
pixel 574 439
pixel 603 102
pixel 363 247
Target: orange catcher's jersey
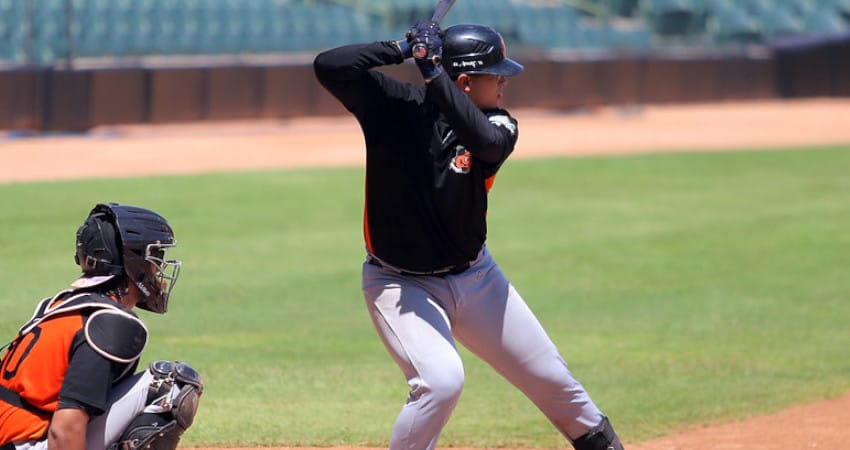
pixel 35 367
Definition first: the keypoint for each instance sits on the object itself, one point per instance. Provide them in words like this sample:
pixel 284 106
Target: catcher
pixel 67 380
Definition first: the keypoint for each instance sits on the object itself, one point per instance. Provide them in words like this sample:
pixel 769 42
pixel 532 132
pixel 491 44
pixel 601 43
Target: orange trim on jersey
pixel 367 236
pixel 488 183
pixel 35 368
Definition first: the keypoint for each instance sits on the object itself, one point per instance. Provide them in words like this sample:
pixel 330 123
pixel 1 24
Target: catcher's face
pixel 154 277
pixel 165 271
pixel 485 90
pixel 161 277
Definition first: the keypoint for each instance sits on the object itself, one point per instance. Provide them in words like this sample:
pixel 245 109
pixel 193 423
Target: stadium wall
pixel 51 99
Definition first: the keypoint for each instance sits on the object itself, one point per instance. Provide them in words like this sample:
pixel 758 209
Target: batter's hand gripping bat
pixel 443 6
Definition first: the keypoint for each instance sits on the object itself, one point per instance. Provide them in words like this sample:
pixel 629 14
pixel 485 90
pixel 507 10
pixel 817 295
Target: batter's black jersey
pixel 431 158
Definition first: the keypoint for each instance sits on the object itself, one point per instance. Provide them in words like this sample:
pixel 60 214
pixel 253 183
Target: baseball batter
pixel 432 154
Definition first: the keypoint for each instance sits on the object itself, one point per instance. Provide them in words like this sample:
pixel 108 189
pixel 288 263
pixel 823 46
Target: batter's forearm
pixel 482 138
pixel 348 62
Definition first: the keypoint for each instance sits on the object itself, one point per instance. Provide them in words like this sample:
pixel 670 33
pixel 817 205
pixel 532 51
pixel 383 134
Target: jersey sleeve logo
pixel 462 161
pixel 504 121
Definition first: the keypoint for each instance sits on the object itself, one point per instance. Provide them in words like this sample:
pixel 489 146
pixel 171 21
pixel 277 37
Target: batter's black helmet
pixel 470 48
pixel 123 240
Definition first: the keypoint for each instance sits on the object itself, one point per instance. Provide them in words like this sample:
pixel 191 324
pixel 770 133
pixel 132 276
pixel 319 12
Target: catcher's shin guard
pixel 172 403
pixel 600 437
pixel 150 431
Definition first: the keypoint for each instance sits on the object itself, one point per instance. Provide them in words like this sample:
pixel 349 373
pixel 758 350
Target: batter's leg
pixel 417 334
pixel 494 322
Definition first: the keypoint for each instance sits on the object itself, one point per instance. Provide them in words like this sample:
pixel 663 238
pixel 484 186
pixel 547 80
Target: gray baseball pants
pixel 418 319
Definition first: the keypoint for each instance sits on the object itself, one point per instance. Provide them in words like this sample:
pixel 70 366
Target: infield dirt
pixel 313 142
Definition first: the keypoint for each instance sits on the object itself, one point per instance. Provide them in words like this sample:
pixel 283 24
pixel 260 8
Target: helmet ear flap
pixel 98 246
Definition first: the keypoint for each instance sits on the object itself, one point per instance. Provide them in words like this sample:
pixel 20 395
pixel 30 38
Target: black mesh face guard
pixel 163 277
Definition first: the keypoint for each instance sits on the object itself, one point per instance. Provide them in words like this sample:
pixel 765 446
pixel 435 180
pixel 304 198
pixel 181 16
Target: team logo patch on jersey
pixel 504 121
pixel 462 161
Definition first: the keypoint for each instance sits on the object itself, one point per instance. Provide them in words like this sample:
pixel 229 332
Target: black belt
pixel 453 270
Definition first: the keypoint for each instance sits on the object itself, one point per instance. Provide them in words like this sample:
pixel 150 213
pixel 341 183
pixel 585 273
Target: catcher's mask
pixel 474 49
pixel 121 240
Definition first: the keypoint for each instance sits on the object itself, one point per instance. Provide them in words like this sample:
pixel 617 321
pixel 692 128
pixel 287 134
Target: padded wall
pixel 76 100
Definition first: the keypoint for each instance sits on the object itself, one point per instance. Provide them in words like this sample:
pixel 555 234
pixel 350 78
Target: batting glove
pixel 425 39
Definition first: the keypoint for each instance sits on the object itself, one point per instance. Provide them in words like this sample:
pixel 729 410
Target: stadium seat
pixel 633 38
pixel 91 35
pixel 712 6
pixel 780 22
pixel 48 30
pixel 237 25
pixel 88 7
pixel 593 37
pixel 300 29
pixel 187 34
pixel 674 18
pixel 500 15
pixel 730 27
pixel 223 29
pixel 12 32
pixel 756 7
pixel 99 28
pixel 256 25
pixel 11 46
pixel 843 8
pixel 547 27
pixel 623 8
pixel 818 22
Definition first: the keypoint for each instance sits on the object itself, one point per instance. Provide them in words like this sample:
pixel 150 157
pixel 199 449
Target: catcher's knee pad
pixel 171 407
pixel 176 387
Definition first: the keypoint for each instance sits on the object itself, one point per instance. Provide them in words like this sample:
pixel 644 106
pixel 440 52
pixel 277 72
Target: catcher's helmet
pixel 121 240
pixel 470 48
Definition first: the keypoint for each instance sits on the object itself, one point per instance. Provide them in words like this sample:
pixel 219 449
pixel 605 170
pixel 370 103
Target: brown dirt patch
pixel 196 148
pixel 193 148
pixel 822 425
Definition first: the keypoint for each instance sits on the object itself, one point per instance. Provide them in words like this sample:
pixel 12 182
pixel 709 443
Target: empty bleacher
pixel 49 32
pixel 75 64
pixel 13 45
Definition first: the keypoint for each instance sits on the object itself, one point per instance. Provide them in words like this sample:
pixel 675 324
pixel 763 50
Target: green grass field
pixel 683 289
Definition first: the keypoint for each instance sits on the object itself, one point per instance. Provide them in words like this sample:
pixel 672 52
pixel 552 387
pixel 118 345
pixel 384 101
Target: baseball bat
pixel 443 6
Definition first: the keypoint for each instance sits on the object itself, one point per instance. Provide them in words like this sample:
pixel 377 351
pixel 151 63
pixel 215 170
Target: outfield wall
pixel 56 99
